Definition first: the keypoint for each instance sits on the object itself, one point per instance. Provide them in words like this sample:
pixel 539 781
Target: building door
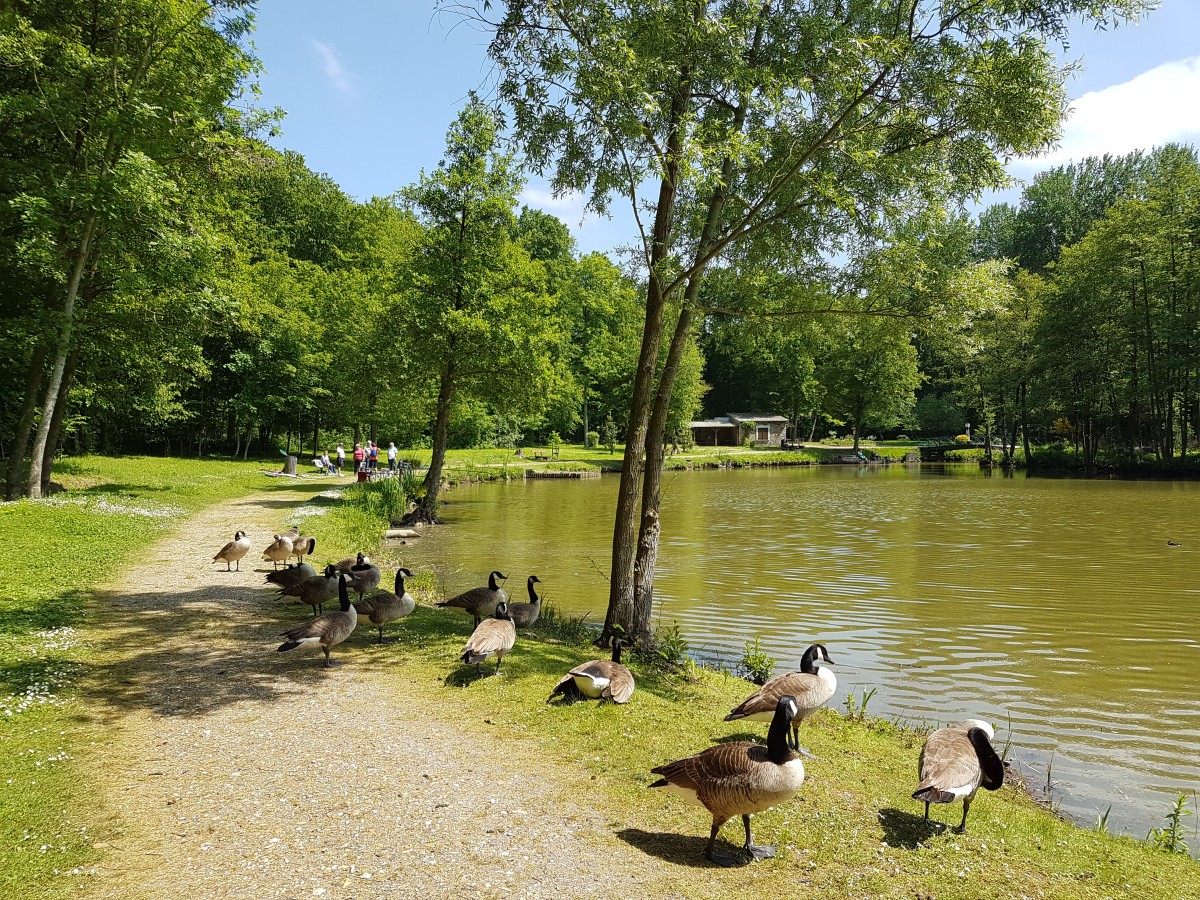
pixel 762 434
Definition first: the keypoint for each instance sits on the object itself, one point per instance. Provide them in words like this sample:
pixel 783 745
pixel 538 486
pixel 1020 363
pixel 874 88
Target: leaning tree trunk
pixel 34 488
pixel 56 421
pixel 426 510
pixel 16 456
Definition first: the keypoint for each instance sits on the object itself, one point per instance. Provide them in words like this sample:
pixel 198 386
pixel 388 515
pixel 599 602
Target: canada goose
pixel 328 630
pixel 479 602
pixel 383 607
pixel 315 591
pixel 292 534
pixel 279 550
pixel 290 574
pixel 598 679
pixel 525 614
pixel 345 565
pixel 811 688
pixel 954 762
pixel 364 577
pixel 739 778
pixel 302 547
pixel 234 551
pixel 491 637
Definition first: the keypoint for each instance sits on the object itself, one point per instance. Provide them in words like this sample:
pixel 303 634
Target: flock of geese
pixel 730 779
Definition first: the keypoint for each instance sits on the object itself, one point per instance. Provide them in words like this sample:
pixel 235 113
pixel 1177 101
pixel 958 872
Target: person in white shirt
pixel 393 461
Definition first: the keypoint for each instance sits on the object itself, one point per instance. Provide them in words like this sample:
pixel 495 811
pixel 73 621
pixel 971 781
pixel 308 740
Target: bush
pixel 592 441
pixel 756 665
pixel 962 438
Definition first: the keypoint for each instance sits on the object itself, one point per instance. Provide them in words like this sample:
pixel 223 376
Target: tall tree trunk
pixel 426 510
pixel 648 537
pixel 16 455
pixel 56 421
pixel 624 555
pixel 34 487
pixel 316 433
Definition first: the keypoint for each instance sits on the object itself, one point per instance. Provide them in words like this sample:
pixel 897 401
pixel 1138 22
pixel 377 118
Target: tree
pixel 112 108
pixel 474 309
pixel 768 129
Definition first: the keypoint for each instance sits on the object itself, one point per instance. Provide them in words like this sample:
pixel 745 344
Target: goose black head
pixel 617 644
pixel 492 579
pixel 239 535
pixel 786 707
pixel 401 574
pixel 331 570
pixel 501 611
pixel 814 655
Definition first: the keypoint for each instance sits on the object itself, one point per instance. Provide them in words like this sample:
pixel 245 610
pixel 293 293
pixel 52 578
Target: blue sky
pixel 370 87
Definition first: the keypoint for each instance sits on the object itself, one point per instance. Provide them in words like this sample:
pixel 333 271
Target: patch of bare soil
pixel 234 771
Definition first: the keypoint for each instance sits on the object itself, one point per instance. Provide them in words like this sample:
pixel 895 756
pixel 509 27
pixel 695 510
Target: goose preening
pixel 479 602
pixel 234 551
pixel 525 614
pixel 383 607
pixel 345 565
pixel 290 574
pixel 315 591
pixel 364 577
pixel 738 779
pixel 955 762
pixel 302 547
pixel 598 679
pixel 278 550
pixel 811 688
pixel 328 630
pixel 491 637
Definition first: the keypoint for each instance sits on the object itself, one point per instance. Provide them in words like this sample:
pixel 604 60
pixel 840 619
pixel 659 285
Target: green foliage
pixel 608 434
pixel 1170 838
pixel 670 648
pixel 856 707
pixel 592 439
pixel 756 664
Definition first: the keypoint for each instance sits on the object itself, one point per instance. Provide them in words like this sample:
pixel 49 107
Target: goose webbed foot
pixel 803 751
pixel 332 663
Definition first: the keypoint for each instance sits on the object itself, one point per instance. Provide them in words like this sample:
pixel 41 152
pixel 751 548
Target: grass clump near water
pixel 57 550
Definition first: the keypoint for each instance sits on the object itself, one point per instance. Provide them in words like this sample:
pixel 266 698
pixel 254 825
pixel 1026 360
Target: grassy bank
pixel 57 551
pixel 853 829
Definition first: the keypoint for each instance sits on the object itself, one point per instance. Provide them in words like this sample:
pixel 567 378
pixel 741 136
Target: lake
pixel 1055 608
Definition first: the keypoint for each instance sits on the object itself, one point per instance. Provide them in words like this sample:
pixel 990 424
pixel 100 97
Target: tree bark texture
pixel 426 510
pixel 16 455
pixel 56 420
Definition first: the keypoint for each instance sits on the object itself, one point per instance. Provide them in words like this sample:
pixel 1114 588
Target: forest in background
pixel 171 283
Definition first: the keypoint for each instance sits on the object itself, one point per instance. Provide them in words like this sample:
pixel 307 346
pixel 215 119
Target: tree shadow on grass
pixel 684 849
pixel 905 829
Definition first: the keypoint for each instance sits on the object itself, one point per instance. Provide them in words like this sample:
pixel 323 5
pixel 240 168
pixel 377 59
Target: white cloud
pixel 565 205
pixel 1158 106
pixel 342 80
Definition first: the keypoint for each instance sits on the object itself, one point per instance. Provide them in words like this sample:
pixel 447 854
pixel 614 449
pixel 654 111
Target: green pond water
pixel 1055 608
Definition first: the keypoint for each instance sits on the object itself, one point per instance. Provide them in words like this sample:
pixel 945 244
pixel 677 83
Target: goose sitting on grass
pixel 327 630
pixel 739 779
pixel 598 679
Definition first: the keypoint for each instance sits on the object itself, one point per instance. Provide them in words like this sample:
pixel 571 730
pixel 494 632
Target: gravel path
pixel 233 771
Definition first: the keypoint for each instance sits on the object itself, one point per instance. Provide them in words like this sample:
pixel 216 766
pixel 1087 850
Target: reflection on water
pixel 1055 608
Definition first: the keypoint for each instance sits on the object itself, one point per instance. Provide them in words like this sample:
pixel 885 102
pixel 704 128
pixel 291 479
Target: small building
pixel 763 430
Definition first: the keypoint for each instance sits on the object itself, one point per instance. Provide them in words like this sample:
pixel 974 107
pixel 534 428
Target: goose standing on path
pixel 278 550
pixel 383 607
pixel 811 688
pixel 302 547
pixel 234 551
pixel 598 679
pixel 290 574
pixel 491 637
pixel 739 779
pixel 525 614
pixel 328 630
pixel 479 602
pixel 955 762
pixel 315 591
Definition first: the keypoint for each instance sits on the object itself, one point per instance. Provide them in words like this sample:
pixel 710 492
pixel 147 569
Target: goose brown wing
pixel 714 767
pixel 492 636
pixel 947 761
pixel 805 688
pixel 224 551
pixel 333 628
pixel 376 604
pixel 620 679
pixel 469 600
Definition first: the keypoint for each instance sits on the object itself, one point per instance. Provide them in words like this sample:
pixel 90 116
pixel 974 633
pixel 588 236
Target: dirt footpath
pixel 233 771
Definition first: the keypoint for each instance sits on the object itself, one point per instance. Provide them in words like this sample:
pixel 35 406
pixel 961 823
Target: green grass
pixel 56 551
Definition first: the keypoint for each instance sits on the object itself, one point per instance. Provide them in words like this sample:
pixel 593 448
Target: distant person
pixel 393 457
pixel 360 456
pixel 372 455
pixel 341 458
pixel 327 464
